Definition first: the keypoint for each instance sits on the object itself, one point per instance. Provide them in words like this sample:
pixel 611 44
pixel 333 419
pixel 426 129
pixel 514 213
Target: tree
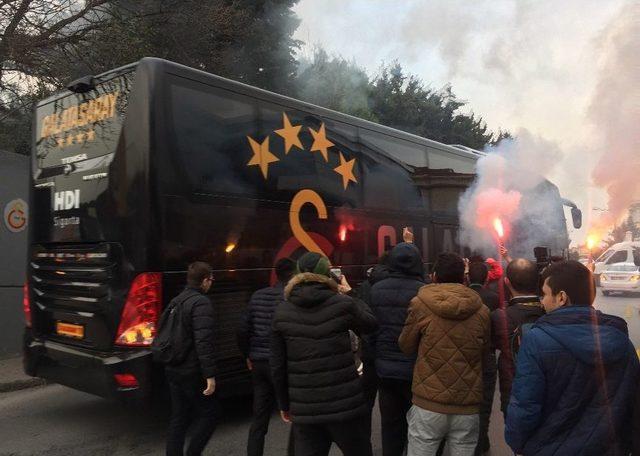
pixel 402 101
pixel 249 41
pixel 32 32
pixel 265 56
pixel 393 98
pixel 336 84
pixel 619 232
pixel 498 137
pixel 47 43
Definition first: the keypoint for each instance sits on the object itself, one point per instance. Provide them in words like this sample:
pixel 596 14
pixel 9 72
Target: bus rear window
pixel 81 126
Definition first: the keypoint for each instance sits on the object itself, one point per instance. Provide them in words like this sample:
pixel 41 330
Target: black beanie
pixel 313 262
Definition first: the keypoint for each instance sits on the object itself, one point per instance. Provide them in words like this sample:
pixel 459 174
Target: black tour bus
pixel 143 169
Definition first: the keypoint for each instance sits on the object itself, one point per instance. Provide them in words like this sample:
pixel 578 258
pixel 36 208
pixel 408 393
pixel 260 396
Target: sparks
pixel 497 225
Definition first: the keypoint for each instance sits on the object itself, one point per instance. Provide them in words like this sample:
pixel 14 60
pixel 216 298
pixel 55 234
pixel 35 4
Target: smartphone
pixel 336 274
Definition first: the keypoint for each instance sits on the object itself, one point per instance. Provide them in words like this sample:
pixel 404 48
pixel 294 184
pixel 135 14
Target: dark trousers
pixel 190 409
pixel 350 436
pixel 395 401
pixel 489 376
pixel 370 388
pixel 264 402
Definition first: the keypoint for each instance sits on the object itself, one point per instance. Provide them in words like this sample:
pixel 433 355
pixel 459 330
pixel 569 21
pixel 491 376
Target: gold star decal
pixel 91 135
pixel 261 155
pixel 346 171
pixel 290 134
pixel 60 142
pixel 320 142
pixel 69 140
pixel 80 138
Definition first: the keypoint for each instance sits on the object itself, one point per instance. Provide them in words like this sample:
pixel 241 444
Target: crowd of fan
pixel 430 348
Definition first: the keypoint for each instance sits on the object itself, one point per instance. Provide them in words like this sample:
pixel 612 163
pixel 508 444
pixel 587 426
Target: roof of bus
pixel 156 64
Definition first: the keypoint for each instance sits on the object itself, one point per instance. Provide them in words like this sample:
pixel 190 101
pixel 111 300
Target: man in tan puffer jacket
pixel 450 329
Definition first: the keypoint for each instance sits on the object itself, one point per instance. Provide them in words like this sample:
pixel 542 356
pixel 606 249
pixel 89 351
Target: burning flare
pixel 497 225
pixel 591 241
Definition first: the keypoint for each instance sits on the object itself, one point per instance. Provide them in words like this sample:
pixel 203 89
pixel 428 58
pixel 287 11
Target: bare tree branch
pixel 18 16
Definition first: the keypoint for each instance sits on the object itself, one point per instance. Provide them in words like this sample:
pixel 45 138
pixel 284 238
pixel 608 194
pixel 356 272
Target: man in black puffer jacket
pixel 192 382
pixel 390 299
pixel 369 376
pixel 313 366
pixel 254 340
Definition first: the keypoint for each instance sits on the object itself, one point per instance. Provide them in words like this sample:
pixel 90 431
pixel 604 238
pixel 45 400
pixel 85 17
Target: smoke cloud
pixel 508 187
pixel 615 115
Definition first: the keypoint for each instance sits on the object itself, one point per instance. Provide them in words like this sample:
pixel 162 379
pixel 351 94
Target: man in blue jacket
pixel 254 339
pixel 390 300
pixel 576 374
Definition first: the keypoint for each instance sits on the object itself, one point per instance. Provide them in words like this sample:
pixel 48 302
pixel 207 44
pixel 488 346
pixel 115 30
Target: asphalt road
pixel 58 421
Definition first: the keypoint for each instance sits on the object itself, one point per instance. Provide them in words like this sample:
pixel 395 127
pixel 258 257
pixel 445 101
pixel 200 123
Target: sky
pixel 537 65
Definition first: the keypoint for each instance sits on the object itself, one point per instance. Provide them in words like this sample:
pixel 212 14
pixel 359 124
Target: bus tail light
pixel 126 381
pixel 26 304
pixel 141 311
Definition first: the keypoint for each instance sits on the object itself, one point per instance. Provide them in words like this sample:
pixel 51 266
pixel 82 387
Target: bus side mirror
pixel 576 215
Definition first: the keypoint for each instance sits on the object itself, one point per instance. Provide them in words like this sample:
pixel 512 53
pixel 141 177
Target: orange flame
pixel 497 225
pixel 343 233
pixel 591 241
pixel 230 248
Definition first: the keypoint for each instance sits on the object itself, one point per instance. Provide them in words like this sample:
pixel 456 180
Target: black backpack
pixel 173 341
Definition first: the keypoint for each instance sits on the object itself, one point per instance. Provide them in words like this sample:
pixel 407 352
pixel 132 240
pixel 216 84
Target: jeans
pixel 190 409
pixel 350 436
pixel 264 402
pixel 427 430
pixel 395 401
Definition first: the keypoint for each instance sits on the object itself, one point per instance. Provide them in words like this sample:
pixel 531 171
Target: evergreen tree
pixel 336 84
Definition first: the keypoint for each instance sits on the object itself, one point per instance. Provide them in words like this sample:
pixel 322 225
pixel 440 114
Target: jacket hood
pixel 378 273
pixel 587 333
pixel 405 259
pixel 452 301
pixel 309 290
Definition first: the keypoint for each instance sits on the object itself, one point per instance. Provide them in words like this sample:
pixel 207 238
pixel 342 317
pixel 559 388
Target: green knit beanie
pixel 313 262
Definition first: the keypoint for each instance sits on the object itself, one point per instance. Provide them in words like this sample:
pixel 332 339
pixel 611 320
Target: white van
pixel 623 252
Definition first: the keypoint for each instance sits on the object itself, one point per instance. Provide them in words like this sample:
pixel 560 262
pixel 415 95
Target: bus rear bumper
pixel 88 371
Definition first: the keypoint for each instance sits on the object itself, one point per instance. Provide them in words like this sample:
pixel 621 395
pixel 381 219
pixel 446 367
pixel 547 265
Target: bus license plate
pixel 69 330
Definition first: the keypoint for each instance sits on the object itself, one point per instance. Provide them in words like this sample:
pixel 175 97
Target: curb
pixel 21 384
